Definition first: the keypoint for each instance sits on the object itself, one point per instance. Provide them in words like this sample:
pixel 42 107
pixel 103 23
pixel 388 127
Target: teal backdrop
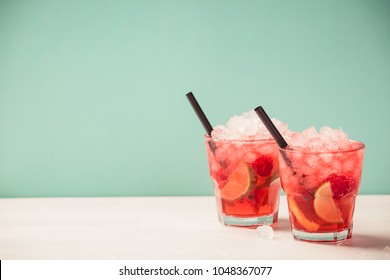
pixel 92 93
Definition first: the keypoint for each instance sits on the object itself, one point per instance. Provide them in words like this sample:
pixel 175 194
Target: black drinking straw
pixel 273 131
pixel 271 127
pixel 203 119
pixel 199 112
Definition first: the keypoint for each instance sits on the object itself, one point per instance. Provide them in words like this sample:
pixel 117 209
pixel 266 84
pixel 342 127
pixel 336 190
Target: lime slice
pixel 302 218
pixel 325 206
pixel 276 183
pixel 238 183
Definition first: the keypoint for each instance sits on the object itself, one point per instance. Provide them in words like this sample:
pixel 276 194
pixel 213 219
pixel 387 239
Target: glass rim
pixel 360 147
pixel 265 140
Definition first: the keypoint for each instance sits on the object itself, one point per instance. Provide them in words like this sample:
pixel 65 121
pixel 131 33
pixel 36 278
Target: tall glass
pixel 245 174
pixel 321 189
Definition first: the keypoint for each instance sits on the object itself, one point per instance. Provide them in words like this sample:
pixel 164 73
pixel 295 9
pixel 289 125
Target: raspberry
pixel 263 166
pixel 342 185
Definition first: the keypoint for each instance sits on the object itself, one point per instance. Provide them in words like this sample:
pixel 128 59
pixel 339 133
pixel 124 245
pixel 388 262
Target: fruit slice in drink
pixel 238 183
pixel 301 207
pixel 325 206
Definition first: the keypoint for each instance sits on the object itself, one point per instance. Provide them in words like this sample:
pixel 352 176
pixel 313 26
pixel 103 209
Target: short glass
pixel 321 189
pixel 245 174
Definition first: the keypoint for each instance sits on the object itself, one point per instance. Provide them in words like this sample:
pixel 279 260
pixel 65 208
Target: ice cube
pixel 306 169
pixel 336 165
pixel 298 140
pixel 326 157
pixel 316 144
pixel 349 164
pixel 265 232
pixel 387 251
pixel 250 157
pixel 265 149
pixel 325 171
pixel 310 133
pixel 327 133
pixel 282 127
pixel 327 139
pixel 247 126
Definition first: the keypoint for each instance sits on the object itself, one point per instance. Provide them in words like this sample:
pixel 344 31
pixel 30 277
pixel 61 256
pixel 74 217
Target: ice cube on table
pixel 387 251
pixel 265 232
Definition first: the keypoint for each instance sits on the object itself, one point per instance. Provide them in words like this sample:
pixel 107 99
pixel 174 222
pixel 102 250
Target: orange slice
pixel 300 216
pixel 324 204
pixel 238 183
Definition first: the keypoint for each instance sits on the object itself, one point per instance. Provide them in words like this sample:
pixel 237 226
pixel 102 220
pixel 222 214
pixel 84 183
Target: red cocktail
pixel 246 180
pixel 321 184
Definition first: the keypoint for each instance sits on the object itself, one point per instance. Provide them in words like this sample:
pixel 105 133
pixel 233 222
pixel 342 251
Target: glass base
pixel 323 236
pixel 249 222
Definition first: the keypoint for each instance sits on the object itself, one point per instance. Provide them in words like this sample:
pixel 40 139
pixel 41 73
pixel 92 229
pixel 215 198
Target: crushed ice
pixel 326 139
pixel 247 126
pixel 265 232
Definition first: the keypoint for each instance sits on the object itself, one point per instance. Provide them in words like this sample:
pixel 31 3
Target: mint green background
pixel 92 93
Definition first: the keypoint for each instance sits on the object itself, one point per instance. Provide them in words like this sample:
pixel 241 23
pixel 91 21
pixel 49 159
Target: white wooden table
pixel 170 228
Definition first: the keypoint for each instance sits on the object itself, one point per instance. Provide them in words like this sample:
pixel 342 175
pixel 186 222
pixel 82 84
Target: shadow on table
pixel 282 225
pixel 357 240
pixel 365 241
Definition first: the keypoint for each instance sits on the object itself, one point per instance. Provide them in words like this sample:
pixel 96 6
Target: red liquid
pixel 262 201
pixel 321 189
pixel 344 206
pixel 258 198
